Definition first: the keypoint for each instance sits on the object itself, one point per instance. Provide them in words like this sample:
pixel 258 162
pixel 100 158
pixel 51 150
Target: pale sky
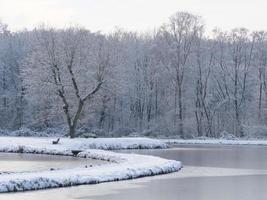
pixel 136 15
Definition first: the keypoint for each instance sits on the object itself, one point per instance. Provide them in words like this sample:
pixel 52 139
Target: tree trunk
pixel 260 100
pixel 180 105
pixel 72 131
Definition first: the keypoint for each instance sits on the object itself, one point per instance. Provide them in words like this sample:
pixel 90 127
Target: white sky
pixel 140 15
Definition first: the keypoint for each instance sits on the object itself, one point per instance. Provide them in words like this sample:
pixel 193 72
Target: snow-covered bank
pixel 216 141
pixel 121 167
pixel 90 143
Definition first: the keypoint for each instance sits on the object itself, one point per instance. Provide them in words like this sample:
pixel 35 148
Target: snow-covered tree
pixel 71 64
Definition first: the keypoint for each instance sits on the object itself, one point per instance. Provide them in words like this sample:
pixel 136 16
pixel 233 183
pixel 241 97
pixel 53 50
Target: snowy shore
pixel 121 167
pixel 81 143
pixel 215 141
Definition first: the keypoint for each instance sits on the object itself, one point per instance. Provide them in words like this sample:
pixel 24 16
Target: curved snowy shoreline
pixel 121 167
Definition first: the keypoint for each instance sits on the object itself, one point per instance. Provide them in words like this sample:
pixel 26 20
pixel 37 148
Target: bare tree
pixel 260 63
pixel 62 56
pixel 204 63
pixel 234 61
pixel 181 34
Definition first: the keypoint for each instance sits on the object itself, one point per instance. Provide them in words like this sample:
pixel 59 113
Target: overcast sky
pixel 140 15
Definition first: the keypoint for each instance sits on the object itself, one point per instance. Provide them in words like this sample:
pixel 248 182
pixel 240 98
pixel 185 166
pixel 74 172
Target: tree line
pixel 174 81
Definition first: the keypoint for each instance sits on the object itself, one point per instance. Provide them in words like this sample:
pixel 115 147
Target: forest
pixel 175 81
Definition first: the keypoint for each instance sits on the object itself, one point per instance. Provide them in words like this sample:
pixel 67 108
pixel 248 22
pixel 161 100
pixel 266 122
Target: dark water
pixel 209 173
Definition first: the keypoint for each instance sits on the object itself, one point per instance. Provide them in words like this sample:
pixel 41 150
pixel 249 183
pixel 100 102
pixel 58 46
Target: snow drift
pixel 121 166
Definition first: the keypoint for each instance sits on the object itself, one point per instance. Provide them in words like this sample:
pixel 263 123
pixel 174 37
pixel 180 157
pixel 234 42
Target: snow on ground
pixel 90 143
pixel 215 141
pixel 121 167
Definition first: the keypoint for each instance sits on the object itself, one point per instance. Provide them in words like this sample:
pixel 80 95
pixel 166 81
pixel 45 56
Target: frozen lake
pixel 14 162
pixel 210 172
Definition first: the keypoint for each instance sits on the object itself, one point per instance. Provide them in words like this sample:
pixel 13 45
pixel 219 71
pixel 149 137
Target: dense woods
pixel 175 81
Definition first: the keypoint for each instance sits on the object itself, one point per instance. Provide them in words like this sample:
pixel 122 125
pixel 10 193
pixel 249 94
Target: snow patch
pixel 121 166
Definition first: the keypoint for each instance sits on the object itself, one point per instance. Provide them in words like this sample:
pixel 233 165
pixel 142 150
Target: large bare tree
pixel 180 34
pixel 74 65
